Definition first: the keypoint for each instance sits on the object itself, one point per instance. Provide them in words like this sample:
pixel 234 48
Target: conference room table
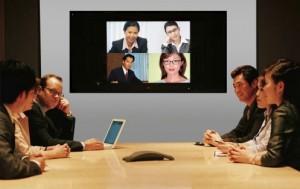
pixel 193 167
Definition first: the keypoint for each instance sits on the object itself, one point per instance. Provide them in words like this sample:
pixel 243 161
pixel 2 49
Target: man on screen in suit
pixel 131 43
pixel 124 74
pixel 17 91
pixel 50 119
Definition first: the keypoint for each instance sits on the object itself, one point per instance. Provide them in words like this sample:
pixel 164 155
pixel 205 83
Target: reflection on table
pixel 193 167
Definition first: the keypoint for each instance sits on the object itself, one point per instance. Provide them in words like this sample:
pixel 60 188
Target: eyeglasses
pixel 169 62
pixel 171 31
pixel 53 92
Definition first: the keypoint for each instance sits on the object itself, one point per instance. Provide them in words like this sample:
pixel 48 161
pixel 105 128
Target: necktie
pixel 126 76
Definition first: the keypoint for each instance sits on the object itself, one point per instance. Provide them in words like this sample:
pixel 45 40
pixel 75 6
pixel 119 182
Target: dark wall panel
pixel 278 24
pixel 2 28
pixel 22 38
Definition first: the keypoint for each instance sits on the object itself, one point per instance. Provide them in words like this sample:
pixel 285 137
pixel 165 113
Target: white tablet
pixel 113 133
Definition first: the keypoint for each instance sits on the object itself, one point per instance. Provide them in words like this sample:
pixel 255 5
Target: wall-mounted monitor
pixel 148 51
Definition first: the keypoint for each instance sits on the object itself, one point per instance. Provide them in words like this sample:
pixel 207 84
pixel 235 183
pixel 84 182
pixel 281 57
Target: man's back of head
pixel 15 78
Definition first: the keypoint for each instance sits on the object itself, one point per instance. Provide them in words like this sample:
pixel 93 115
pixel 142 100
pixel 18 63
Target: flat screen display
pixel 113 132
pixel 148 51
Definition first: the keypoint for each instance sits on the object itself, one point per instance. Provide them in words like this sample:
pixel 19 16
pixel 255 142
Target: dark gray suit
pixel 118 45
pixel 11 163
pixel 45 132
pixel 117 74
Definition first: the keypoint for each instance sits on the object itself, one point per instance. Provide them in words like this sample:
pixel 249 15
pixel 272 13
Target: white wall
pixel 150 117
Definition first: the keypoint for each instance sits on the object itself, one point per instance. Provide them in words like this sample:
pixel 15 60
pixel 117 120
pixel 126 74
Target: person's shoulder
pixel 141 40
pixel 117 42
pixel 286 109
pixel 55 112
pixel 3 115
pixel 35 108
pixel 116 69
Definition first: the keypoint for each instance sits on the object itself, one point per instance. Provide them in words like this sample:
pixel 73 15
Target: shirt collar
pixel 124 70
pixel 125 46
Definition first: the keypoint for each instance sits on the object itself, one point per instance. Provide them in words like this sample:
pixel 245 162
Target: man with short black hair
pixel 175 43
pixel 245 87
pixel 17 91
pixel 124 74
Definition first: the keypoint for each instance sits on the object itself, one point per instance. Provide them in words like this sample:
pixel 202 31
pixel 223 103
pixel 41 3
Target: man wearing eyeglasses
pixel 50 119
pixel 175 43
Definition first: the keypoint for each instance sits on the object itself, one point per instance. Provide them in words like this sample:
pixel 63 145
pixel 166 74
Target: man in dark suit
pixel 131 43
pixel 17 91
pixel 51 121
pixel 124 74
pixel 245 87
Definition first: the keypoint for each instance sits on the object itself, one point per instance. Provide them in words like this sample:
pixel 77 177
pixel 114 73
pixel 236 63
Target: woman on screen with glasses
pixel 172 68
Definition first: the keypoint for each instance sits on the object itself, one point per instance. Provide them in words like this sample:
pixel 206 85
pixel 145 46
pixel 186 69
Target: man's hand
pixel 58 151
pixel 93 144
pixel 40 159
pixel 64 105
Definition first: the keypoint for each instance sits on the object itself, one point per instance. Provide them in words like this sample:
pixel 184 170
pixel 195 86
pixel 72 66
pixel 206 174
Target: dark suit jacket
pixel 117 46
pixel 65 125
pixel 44 132
pixel 11 163
pixel 248 125
pixel 117 74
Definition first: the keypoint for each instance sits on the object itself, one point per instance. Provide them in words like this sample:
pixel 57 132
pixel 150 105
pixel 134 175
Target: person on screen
pixel 17 90
pixel 50 119
pixel 245 88
pixel 174 42
pixel 282 89
pixel 124 74
pixel 131 43
pixel 172 68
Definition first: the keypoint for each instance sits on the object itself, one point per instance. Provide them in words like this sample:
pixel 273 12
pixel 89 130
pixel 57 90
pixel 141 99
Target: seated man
pixel 245 87
pixel 17 90
pixel 46 130
pixel 259 142
pixel 124 74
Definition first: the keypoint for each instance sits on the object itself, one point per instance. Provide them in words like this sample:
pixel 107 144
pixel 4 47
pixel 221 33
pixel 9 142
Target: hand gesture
pixel 64 105
pixel 240 155
pixel 93 144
